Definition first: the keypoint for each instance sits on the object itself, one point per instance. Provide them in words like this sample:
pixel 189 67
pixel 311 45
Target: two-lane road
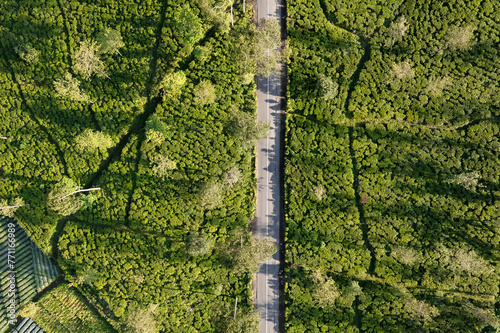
pixel 270 105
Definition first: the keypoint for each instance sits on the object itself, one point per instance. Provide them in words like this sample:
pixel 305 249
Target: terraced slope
pixel 28 326
pixel 33 270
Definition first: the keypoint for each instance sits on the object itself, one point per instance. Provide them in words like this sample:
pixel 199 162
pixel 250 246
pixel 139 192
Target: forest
pixel 126 153
pixel 127 157
pixel 392 164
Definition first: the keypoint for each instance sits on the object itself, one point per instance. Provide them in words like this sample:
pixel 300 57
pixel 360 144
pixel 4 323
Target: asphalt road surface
pixel 268 211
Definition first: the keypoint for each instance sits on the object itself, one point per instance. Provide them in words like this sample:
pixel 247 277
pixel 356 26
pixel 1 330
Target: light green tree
pixel 243 127
pixel 87 61
pixel 90 140
pixel 69 87
pixel 156 130
pixel 110 41
pixel 88 276
pixel 204 93
pixel 268 47
pixel 171 85
pixel 188 25
pixel 328 89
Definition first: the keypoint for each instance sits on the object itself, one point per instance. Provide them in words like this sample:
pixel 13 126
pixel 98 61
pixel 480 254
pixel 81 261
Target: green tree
pixel 27 53
pixel 245 322
pixel 69 87
pixel 199 244
pixel 187 25
pixel 87 61
pixel 327 87
pixel 171 85
pixel 204 93
pixel 243 127
pixel 110 41
pixel 90 140
pixel 268 47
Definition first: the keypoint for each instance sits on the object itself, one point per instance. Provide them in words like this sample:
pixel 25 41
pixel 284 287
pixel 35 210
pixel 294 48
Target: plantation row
pixel 63 310
pixel 391 167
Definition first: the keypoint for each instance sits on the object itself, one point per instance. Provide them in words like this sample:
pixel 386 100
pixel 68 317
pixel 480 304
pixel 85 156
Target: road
pixel 270 106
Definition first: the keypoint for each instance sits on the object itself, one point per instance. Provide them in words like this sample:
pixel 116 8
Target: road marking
pixel 267 190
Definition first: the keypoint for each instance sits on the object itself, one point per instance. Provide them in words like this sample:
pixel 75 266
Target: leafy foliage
pixel 90 140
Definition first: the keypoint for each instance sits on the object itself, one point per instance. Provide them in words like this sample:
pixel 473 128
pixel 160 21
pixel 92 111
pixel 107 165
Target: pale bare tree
pixel 396 31
pixel 9 208
pixel 459 38
pixel 87 61
pixel 486 317
pixel 403 71
pixel 435 85
pixel 406 255
pixel 326 291
pixel 110 41
pixel 69 87
pixel 211 195
pixel 162 165
pixel 139 320
pixel 233 176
